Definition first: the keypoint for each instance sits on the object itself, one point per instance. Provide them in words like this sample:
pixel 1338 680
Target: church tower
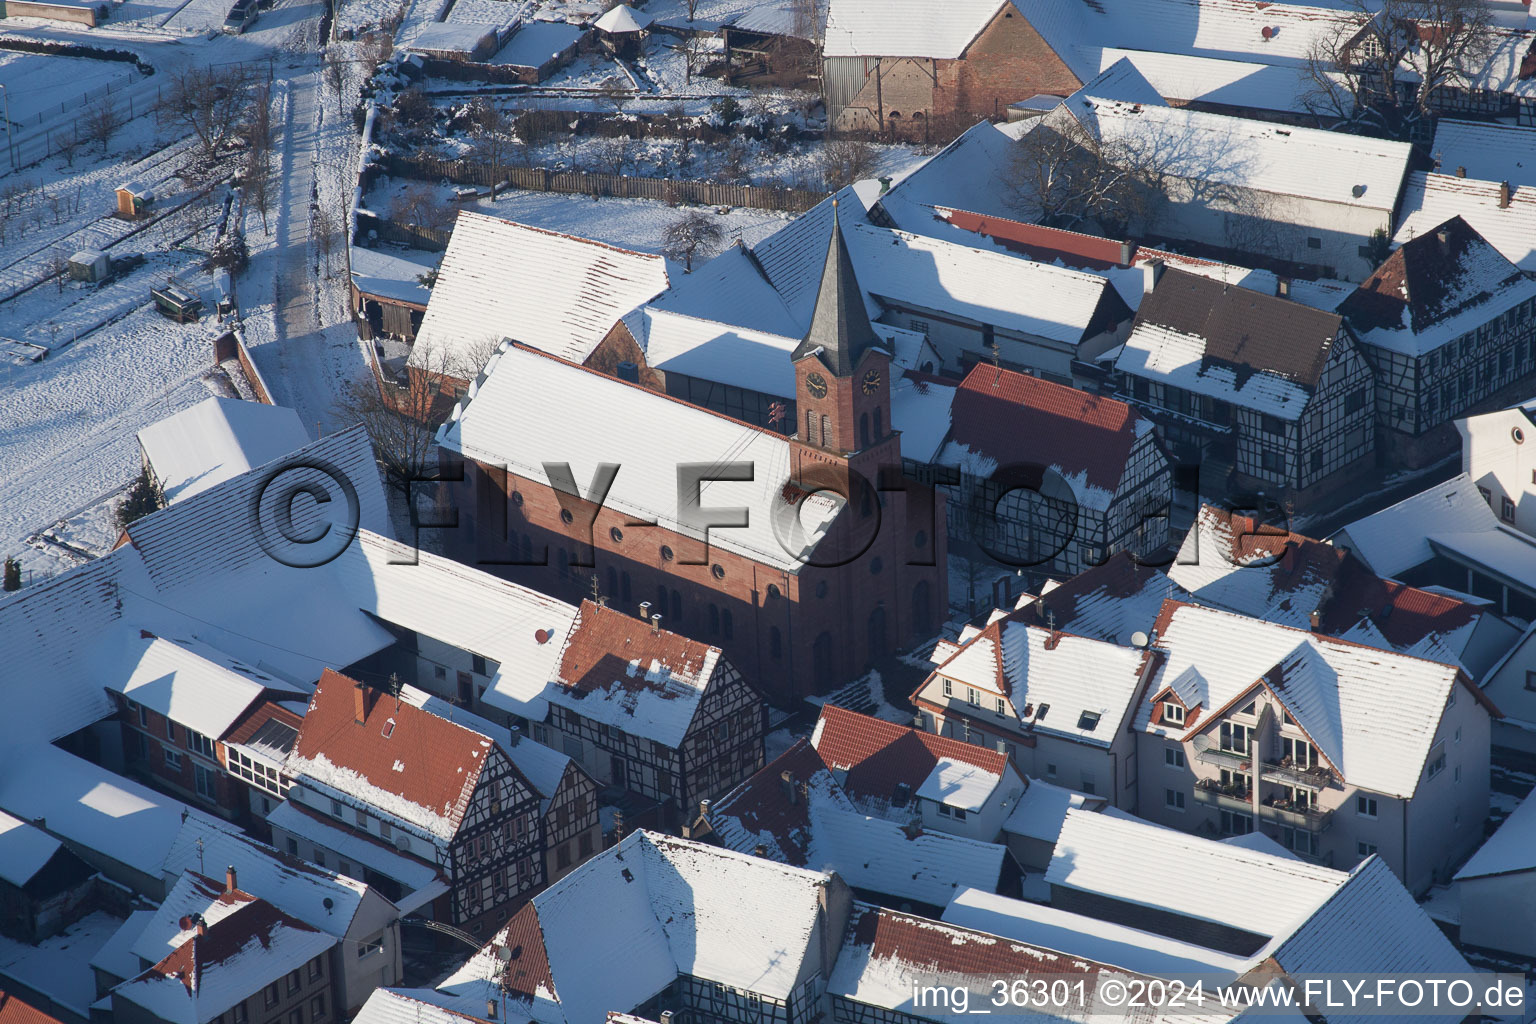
pixel 842 382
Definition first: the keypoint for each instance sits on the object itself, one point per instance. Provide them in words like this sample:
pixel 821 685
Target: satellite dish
pixel 1357 191
pixel 1139 639
pixel 328 904
pixel 503 954
pixel 1268 32
pixel 186 922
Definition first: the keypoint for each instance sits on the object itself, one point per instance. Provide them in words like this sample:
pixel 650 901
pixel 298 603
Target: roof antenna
pixel 997 361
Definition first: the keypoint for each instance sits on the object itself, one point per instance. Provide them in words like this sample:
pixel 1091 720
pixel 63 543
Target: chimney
pixel 514 735
pixel 229 879
pixel 791 791
pixel 704 809
pixel 1282 286
pixel 666 1017
pixel 1153 271
pixel 1126 248
pixel 645 611
pixel 1443 236
pixel 760 850
pixel 1461 172
pixel 1503 195
pixel 1316 619
pixel 656 622
pixel 490 1009
pixel 202 926
pixel 360 703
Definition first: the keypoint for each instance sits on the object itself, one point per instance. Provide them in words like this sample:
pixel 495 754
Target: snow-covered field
pixel 39 84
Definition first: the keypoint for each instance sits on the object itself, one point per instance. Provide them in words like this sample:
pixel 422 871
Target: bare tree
pixel 212 103
pixel 102 120
pixel 1068 176
pixel 401 417
pixel 58 266
pixel 67 144
pixel 694 235
pixel 616 92
pixel 322 228
pixel 493 138
pixel 420 205
pixel 1382 65
pixel 697 52
pixel 613 155
pixel 845 161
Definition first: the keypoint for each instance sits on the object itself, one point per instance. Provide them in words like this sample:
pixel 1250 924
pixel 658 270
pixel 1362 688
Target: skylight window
pixel 1040 715
pixel 389 728
pixel 1088 720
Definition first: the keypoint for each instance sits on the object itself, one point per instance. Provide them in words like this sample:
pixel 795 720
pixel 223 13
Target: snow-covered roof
pixel 619 671
pixel 1077 935
pixel 669 907
pixel 958 784
pixel 1396 539
pixel 1041 810
pixel 318 896
pixel 413 874
pixel 192 894
pixel 216 439
pixel 1004 418
pixel 879 756
pixel 536 43
pixel 1349 170
pixel 970 173
pixel 1334 689
pixel 116 958
pixel 738 356
pixel 728 289
pixel 1071 686
pixel 406 762
pixel 237 957
pixel 1255 351
pixel 822 829
pixel 522 416
pixel 1433 289
pixel 24 850
pixel 1131 861
pixel 1233 562
pixel 388 1006
pixel 1188 78
pixel 905 28
pixel 451 37
pixel 555 292
pixel 1370 925
pixel 920 409
pixel 392 275
pixel 1258 842
pixel 623 18
pixel 1429 200
pixel 1512 848
pixel 1488 150
pixel 190 682
pixel 93 808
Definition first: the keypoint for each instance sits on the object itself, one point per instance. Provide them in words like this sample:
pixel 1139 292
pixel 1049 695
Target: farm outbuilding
pixel 89 265
pixel 448 41
pixel 133 200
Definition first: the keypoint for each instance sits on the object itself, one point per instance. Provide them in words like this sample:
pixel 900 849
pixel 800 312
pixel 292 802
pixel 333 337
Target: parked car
pixel 240 18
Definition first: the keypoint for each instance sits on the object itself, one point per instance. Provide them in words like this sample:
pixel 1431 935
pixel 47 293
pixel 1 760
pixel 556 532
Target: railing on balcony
pixel 1316 777
pixel 1209 754
pixel 1216 793
pixel 1313 819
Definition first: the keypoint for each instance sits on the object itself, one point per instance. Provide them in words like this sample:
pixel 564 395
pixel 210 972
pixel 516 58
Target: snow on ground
pixel 60 967
pixel 39 84
pixel 865 695
pixel 777 743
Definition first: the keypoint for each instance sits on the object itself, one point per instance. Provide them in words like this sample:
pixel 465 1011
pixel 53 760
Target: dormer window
pixel 1173 712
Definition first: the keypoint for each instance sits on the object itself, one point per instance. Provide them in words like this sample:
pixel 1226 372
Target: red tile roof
pixel 257 921
pixel 932 948
pixel 1015 418
pixel 762 807
pixel 879 754
pixel 1040 243
pixel 528 970
pixel 260 715
pixel 1429 280
pixel 605 641
pixel 14 1011
pixel 401 749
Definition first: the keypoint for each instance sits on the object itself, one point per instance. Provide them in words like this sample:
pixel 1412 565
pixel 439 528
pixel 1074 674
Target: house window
pixel 295 982
pixel 204 778
pixel 1314 242
pixel 240 1016
pixel 1235 824
pixel 1087 783
pixel 1458 773
pixel 272 995
pixel 317 1007
pixel 1271 461
pixel 949 688
pixel 1436 761
pixel 293 847
pixel 584 845
pixel 1173 799
pixel 1365 806
pixel 1506 509
pixel 296 1015
pixel 1050 771
pixel 944 810
pixel 1354 401
pixel 1530 679
pixel 173 759
pixel 1173 713
pixel 971 697
pixel 144 715
pixel 336 810
pixel 1272 425
pixel 170 730
pixel 1001 706
pixel 199 744
pixel 384 829
pixel 1365 849
pixel 367 949
pixel 563 856
pixel 1299 840
pixel 1173 757
pixel 1487 495
pixel 1234 737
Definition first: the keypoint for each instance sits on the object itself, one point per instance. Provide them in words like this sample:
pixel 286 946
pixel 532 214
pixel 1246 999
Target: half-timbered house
pixel 1260 391
pixel 1448 326
pixel 662 716
pixel 441 793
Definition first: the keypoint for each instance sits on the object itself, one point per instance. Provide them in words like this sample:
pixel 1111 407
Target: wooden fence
pixel 620 186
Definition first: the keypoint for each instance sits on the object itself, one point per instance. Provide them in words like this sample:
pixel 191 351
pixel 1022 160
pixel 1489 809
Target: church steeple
pixel 839 324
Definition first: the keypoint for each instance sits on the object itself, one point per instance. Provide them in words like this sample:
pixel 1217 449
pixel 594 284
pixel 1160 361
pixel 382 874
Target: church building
pixel 806 559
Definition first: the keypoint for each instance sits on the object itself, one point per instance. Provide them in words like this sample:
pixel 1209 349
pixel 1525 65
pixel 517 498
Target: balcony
pixel 1316 777
pixel 1231 759
pixel 1313 819
pixel 1228 797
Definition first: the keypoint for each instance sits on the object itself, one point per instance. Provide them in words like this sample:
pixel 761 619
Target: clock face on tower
pixel 816 384
pixel 871 382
